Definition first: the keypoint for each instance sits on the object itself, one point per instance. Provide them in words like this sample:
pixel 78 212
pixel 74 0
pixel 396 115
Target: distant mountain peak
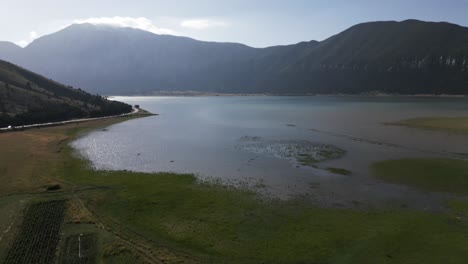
pixel 9 45
pixel 405 22
pixel 89 26
pixel 9 50
pixel 417 21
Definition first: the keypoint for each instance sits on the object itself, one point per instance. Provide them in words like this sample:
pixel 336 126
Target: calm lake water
pixel 248 141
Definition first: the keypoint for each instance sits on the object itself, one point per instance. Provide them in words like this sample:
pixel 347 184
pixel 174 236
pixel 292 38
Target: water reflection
pixel 206 136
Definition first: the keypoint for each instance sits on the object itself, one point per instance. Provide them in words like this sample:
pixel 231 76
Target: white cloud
pixel 137 22
pixel 200 24
pixel 33 35
pixel 23 43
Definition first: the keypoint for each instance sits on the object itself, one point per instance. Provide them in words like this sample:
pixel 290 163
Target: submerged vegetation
pixel 339 171
pixel 298 152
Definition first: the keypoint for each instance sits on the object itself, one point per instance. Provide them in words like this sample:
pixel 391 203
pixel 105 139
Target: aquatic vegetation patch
pixel 299 152
pixel 340 171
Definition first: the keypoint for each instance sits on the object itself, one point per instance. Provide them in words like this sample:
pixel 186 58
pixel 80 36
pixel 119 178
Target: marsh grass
pixel 434 175
pixel 340 171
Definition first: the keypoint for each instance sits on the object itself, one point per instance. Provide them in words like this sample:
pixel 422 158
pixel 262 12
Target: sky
pixel 257 23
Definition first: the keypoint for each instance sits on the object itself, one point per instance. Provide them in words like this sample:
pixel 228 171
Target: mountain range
pixel 408 57
pixel 28 98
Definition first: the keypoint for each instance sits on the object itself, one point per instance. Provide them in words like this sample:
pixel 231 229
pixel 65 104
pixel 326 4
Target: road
pixel 6 129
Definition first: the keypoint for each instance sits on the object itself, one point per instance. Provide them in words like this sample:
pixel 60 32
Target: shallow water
pixel 243 141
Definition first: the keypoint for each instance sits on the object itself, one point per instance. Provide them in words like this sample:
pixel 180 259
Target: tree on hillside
pixel 2 107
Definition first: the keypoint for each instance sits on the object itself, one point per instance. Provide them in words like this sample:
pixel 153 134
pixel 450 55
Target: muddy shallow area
pixel 318 148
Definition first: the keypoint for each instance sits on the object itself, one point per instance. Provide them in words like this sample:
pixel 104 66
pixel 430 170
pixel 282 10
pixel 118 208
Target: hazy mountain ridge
pixel 27 98
pixel 406 57
pixel 394 46
pixel 10 51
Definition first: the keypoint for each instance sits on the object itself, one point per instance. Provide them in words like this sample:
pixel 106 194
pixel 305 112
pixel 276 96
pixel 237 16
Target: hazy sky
pixel 258 23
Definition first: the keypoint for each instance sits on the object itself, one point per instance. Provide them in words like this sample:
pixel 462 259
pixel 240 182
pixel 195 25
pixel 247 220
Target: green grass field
pixel 435 175
pixel 216 223
pixel 457 125
pixel 177 219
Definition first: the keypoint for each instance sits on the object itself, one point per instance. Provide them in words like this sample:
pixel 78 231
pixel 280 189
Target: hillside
pixel 408 57
pixel 28 98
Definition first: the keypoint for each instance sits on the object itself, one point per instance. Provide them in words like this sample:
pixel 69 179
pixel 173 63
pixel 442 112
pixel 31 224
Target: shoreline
pixel 201 94
pixel 152 217
pixel 135 111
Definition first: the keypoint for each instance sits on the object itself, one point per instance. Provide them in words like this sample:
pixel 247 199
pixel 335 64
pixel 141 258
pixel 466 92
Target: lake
pixel 273 144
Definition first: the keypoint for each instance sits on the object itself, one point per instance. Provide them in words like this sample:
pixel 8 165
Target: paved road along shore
pixel 9 129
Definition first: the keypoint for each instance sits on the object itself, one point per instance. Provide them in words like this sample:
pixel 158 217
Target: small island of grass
pixel 458 125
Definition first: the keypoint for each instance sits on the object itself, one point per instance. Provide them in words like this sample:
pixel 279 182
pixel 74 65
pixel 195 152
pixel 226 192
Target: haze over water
pixel 212 137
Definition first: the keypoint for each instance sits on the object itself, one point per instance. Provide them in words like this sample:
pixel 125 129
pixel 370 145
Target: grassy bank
pixel 177 219
pixel 436 175
pixel 457 125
